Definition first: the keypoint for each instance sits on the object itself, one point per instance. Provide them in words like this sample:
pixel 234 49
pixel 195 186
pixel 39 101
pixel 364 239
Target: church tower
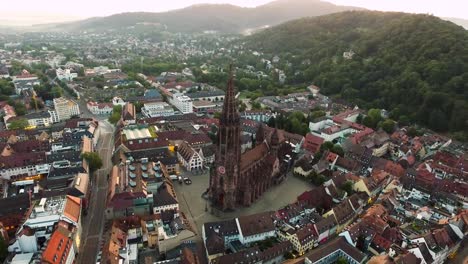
pixel 224 178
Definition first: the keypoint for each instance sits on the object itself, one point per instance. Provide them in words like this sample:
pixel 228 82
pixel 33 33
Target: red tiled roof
pixel 58 246
pixel 312 143
pixel 72 208
pixel 381 242
pixel 124 199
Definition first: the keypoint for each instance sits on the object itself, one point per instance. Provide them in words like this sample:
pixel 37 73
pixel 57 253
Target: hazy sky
pixel 34 11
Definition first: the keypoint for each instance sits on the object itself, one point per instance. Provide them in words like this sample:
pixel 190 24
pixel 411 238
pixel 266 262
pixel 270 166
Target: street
pixel 93 222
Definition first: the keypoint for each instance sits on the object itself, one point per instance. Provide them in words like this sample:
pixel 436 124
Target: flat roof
pixel 136 133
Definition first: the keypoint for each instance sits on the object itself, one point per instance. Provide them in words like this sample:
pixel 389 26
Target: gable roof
pixel 185 151
pixel 343 212
pixel 58 246
pixel 163 197
pixel 253 155
pixel 256 223
pixel 338 244
pixel 72 208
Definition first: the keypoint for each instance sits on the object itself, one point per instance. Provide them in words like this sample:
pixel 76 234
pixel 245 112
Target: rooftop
pixel 136 133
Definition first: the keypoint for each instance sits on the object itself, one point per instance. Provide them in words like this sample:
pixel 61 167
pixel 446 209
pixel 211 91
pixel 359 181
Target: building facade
pixel 182 102
pixel 157 109
pixel 238 180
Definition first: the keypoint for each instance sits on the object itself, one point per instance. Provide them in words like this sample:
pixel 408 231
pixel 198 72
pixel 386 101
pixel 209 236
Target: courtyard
pixel 194 205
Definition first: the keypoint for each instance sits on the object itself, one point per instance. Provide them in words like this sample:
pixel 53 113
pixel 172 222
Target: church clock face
pixel 221 170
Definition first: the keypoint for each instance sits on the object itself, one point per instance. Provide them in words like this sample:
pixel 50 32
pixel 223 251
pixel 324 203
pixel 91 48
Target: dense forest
pixel 416 66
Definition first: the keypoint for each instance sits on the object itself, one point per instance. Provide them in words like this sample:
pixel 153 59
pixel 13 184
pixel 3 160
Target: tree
pixel 388 126
pixel 347 187
pixel 21 123
pixel 359 119
pixel 256 105
pixel 20 108
pixel 403 120
pixel 338 150
pixel 375 117
pixel 57 91
pixel 217 115
pixel 316 114
pixel 327 145
pixel 438 120
pixel 341 260
pixel 116 114
pixel 95 162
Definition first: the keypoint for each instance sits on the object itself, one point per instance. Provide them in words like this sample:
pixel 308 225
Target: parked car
pixel 187 180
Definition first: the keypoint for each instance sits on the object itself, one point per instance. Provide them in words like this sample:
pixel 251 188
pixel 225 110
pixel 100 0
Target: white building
pixel 100 70
pixel 40 119
pixel 157 109
pixel 66 108
pixel 65 75
pixel 42 220
pixel 118 101
pixel 189 157
pixel 257 227
pixel 329 130
pixel 182 102
pixel 53 116
pixel 100 108
pixel 26 169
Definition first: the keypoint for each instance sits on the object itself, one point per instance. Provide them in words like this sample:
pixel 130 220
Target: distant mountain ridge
pixel 223 18
pixel 459 21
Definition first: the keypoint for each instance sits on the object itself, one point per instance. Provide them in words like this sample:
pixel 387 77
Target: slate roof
pixel 256 223
pixel 163 197
pixel 343 212
pixel 214 244
pixel 15 204
pixel 250 255
pixel 72 156
pixel 333 246
pixel 222 228
pixel 65 172
pixel 22 159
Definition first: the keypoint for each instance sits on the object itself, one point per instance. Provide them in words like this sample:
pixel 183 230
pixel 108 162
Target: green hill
pixel 414 65
pixel 218 17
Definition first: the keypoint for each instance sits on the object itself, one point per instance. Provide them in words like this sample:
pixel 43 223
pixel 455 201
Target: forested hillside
pixel 414 65
pixel 223 18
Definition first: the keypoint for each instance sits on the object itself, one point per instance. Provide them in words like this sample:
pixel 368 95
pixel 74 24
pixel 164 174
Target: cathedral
pixel 238 180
